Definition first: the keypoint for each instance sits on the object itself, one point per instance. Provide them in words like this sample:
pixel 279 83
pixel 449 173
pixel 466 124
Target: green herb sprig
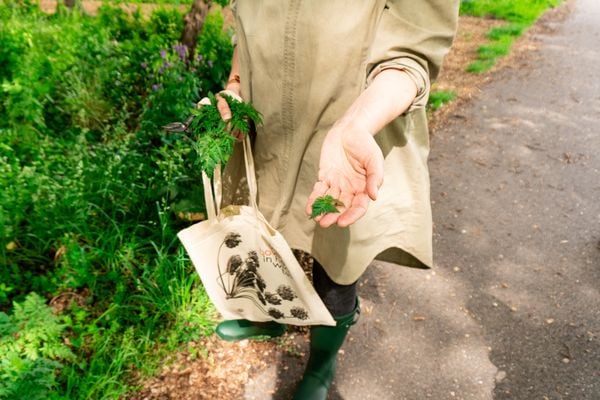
pixel 212 138
pixel 325 205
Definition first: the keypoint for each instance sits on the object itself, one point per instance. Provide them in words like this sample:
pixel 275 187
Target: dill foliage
pixel 325 205
pixel 212 138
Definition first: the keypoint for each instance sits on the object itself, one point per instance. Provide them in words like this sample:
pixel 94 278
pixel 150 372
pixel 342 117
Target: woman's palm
pixel 351 170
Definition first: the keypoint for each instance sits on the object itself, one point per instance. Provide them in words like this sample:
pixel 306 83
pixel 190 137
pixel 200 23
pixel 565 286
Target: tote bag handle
pixel 213 193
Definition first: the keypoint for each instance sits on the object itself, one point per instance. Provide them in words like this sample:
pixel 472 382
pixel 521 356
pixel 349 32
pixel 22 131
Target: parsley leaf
pixel 325 205
pixel 212 138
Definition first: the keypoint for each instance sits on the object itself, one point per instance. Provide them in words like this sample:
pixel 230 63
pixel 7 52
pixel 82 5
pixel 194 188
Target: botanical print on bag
pixel 241 279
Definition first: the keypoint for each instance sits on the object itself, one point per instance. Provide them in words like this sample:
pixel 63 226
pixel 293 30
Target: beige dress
pixel 302 64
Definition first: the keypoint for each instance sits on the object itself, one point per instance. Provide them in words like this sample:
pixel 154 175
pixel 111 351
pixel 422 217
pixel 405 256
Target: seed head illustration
pixel 233 264
pixel 232 240
pixel 286 293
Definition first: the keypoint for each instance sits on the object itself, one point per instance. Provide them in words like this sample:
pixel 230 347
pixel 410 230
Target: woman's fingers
pixel 223 108
pixel 358 207
pixel 225 111
pixel 374 169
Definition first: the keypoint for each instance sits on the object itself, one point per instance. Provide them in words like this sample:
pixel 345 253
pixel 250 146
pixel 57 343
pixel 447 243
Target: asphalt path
pixel 512 308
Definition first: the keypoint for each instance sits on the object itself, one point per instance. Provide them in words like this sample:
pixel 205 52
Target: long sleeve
pixel 415 37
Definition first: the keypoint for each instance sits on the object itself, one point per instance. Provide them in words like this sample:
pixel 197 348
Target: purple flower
pixel 181 51
pixel 210 63
pixel 163 53
pixel 156 87
pixel 166 65
pixel 144 65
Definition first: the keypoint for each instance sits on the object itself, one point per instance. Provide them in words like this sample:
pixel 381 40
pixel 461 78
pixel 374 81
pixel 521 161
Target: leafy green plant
pixel 212 138
pixel 87 199
pixel 213 53
pixel 32 350
pixel 499 32
pixel 519 13
pixel 480 66
pixel 440 97
pixel 325 205
pixel 523 11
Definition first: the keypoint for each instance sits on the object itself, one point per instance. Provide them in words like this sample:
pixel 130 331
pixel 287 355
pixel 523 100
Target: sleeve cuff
pixel 415 71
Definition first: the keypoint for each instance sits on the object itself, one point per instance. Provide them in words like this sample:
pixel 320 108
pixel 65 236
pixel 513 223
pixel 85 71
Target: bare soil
pixel 220 371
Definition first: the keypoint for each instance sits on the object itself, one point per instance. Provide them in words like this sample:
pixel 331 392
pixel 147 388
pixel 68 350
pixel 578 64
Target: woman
pixel 342 86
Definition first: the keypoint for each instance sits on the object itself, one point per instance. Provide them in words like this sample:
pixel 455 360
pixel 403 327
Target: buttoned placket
pixel 288 109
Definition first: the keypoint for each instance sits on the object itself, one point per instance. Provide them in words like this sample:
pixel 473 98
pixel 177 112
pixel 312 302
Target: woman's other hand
pixel 351 164
pixel 350 170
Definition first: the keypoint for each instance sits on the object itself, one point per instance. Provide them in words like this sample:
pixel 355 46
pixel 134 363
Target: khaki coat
pixel 302 64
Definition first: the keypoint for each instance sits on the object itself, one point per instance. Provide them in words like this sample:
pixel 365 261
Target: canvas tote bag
pixel 246 266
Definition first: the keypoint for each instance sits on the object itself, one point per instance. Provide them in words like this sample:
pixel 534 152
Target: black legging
pixel 339 299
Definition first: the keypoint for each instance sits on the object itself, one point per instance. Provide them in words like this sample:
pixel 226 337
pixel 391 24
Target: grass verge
pixel 519 14
pixel 437 98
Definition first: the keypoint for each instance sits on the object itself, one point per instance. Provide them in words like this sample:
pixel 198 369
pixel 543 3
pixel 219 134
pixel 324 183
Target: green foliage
pixel 438 98
pixel 214 53
pixel 212 138
pixel 325 205
pixel 501 32
pixel 32 349
pixel 90 185
pixel 480 66
pixel 520 13
pixel 487 54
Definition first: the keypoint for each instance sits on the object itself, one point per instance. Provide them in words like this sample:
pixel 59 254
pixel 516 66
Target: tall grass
pixel 90 192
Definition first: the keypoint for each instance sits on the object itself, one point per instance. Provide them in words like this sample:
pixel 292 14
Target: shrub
pixel 32 349
pixel 90 185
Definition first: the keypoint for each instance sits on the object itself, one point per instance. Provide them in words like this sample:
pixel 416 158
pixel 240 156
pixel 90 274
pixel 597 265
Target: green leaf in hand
pixel 325 205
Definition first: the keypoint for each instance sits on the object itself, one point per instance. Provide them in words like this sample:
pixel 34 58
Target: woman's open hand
pixel 351 170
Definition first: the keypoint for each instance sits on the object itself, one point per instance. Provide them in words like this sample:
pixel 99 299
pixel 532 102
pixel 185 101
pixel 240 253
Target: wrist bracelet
pixel 234 79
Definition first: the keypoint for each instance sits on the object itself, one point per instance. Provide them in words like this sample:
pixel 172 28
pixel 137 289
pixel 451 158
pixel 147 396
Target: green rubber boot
pixel 239 329
pixel 325 342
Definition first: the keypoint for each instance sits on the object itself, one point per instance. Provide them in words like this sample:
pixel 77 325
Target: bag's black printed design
pixel 241 279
